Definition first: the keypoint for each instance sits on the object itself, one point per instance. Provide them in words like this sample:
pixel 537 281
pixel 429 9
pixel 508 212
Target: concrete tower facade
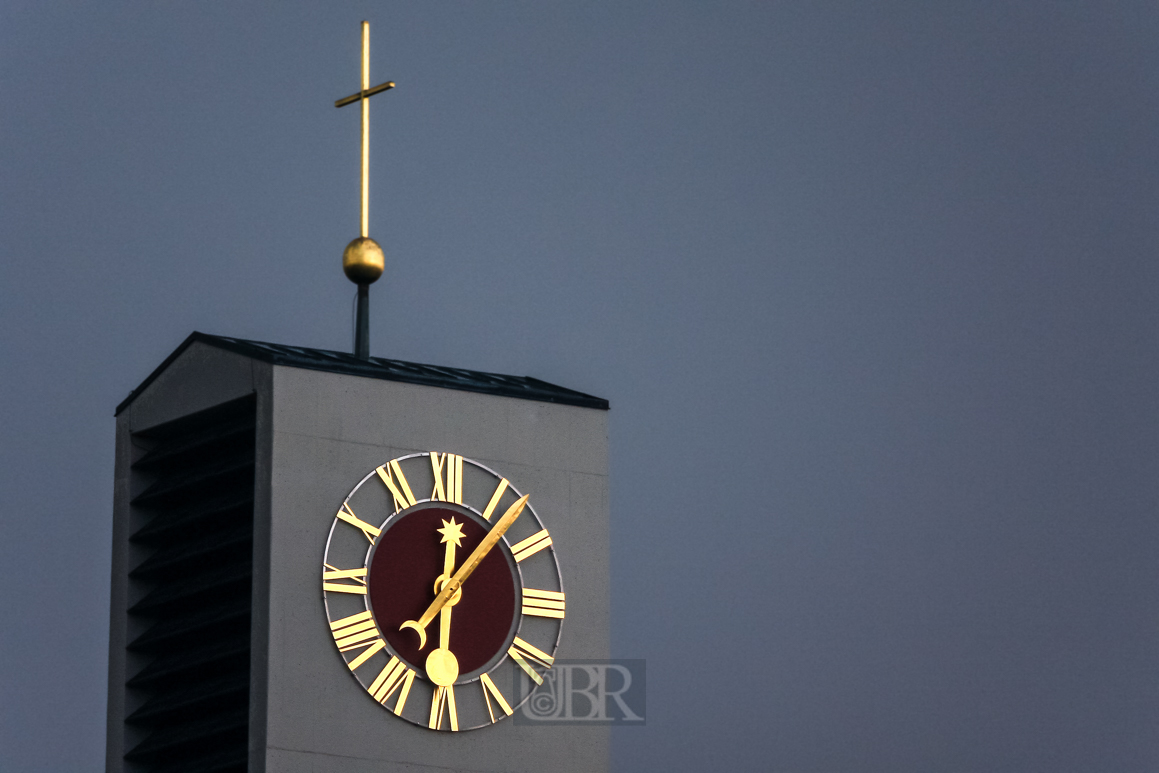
pixel 232 461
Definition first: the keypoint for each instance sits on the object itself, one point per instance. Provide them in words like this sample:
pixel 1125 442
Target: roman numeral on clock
pixel 491 691
pixel 495 499
pixel 394 674
pixel 542 603
pixel 444 702
pixel 397 483
pixel 356 631
pixel 530 546
pixel 522 652
pixel 357 579
pixel 452 464
pixel 347 515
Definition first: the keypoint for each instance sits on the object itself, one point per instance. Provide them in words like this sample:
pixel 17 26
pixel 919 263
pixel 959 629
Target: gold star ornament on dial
pixel 442 591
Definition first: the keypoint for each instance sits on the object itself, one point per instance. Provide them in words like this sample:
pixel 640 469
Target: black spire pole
pixel 362 323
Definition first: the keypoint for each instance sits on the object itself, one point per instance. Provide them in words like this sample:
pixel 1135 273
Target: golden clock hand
pixel 445 612
pixel 456 581
pixel 442 665
pixel 445 624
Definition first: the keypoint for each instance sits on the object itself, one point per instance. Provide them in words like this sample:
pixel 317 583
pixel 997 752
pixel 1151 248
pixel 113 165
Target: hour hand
pixel 452 537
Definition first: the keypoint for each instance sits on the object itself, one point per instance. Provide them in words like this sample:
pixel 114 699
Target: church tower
pixel 336 562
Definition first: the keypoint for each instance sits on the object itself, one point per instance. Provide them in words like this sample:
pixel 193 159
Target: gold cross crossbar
pixel 363 94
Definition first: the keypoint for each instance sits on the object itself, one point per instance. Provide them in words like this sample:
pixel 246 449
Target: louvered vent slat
pixel 193 588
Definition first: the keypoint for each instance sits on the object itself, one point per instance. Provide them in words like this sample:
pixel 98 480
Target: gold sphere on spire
pixel 363 261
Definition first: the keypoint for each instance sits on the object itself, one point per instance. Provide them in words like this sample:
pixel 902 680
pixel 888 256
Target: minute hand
pixel 464 571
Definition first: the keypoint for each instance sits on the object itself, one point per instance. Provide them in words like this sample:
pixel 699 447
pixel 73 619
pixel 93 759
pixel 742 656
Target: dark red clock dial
pixel 407 559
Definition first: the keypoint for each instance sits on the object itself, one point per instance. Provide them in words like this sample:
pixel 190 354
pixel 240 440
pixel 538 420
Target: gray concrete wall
pixel 202 377
pixel 260 619
pixel 118 595
pixel 329 431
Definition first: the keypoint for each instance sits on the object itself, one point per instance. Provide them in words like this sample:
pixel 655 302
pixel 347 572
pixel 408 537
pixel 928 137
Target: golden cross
pixel 362 97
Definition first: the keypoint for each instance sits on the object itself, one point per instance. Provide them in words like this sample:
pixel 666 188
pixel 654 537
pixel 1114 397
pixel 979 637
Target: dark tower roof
pixel 524 387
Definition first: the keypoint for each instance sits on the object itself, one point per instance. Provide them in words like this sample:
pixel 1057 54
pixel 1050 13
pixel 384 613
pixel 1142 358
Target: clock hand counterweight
pixel 454 585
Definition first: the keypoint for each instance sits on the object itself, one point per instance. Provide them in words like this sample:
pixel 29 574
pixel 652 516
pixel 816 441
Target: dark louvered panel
pixel 218 473
pixel 204 588
pixel 190 701
pixel 212 730
pixel 194 588
pixel 230 542
pixel 193 665
pixel 200 517
pixel 230 432
pixel 168 631
pixel 227 760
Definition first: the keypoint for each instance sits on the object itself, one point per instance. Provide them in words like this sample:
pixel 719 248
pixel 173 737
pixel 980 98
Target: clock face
pixel 442 591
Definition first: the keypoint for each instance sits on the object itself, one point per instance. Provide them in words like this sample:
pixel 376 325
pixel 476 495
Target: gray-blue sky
pixel 871 287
